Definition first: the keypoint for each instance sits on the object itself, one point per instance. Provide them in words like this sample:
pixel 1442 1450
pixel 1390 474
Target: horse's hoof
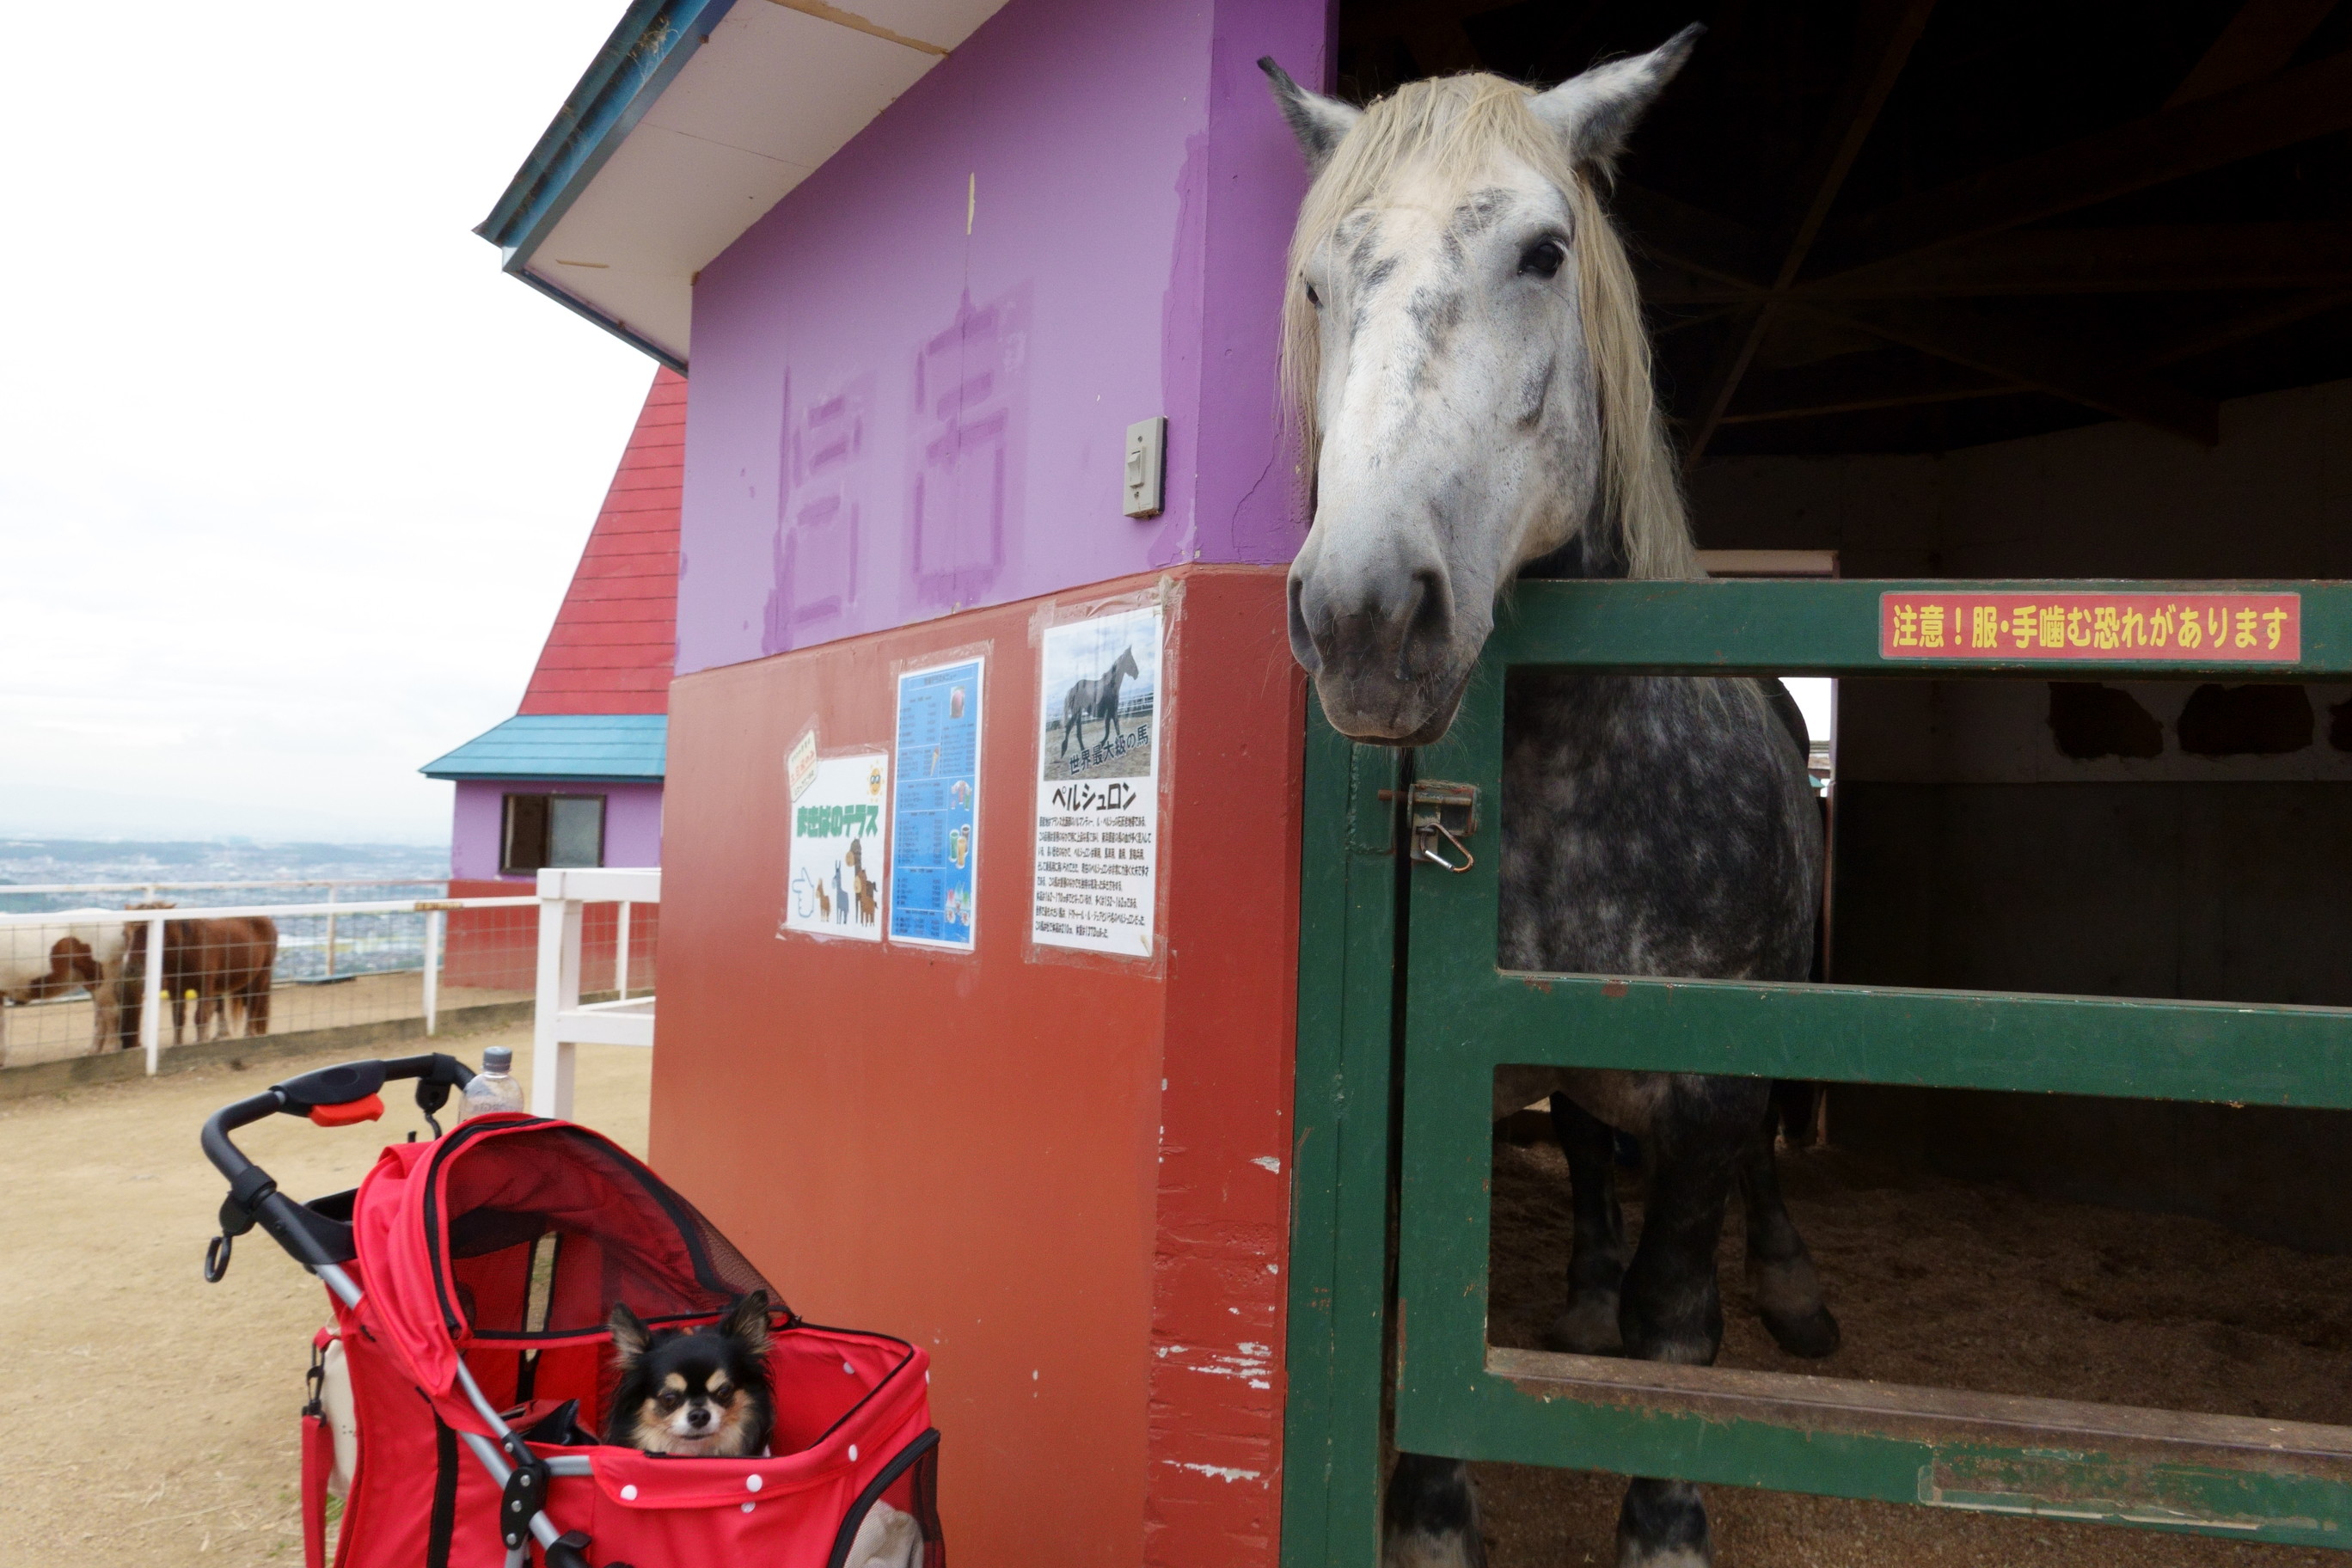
pixel 1812 1334
pixel 1630 1554
pixel 1662 1524
pixel 1589 1327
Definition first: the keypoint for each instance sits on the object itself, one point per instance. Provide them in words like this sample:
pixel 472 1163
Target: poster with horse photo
pixel 836 861
pixel 1098 785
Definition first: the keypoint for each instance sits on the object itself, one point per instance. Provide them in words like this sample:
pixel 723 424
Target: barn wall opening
pixel 1903 311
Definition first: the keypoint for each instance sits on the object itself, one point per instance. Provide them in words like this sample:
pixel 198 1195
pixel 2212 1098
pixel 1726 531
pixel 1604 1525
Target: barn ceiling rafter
pixel 1892 225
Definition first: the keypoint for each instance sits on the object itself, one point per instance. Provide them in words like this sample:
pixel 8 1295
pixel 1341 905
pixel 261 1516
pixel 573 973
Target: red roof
pixel 615 645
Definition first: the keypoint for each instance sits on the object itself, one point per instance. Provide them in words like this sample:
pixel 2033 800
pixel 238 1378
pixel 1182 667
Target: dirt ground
pixel 1957 1286
pixel 152 1417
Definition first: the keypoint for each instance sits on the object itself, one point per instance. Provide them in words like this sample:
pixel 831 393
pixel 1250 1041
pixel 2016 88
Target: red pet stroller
pixel 471 1277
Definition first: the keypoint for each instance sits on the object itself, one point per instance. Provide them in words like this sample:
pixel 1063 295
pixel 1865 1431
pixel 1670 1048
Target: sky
pixel 291 478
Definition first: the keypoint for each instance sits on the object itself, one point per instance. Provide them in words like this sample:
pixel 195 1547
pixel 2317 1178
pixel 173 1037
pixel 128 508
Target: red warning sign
pixel 2153 629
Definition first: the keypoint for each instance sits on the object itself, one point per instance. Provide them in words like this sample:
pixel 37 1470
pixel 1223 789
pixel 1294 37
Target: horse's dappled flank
pixel 1454 127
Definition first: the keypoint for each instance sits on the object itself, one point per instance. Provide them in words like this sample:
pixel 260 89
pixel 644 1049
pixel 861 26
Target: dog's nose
pixel 698 1417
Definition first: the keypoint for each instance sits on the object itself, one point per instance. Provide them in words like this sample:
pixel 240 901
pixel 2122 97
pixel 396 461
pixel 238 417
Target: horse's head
pixel 72 965
pixel 1125 665
pixel 1463 348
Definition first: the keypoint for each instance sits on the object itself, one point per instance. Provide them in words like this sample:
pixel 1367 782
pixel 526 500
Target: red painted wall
pixel 498 950
pixel 615 641
pixel 1046 1169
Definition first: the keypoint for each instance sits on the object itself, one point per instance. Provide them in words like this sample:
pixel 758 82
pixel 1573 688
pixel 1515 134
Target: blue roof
pixel 612 747
pixel 647 49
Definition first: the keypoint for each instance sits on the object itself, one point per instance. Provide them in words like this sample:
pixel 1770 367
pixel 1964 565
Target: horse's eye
pixel 1543 257
pixel 1313 298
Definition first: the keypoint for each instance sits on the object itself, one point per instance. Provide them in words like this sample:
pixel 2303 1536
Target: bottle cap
pixel 498 1058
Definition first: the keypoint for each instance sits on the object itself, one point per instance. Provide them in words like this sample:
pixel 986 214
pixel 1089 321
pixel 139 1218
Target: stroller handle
pixel 312 1238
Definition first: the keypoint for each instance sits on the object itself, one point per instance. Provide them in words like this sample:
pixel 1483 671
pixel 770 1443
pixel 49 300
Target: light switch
pixel 1147 466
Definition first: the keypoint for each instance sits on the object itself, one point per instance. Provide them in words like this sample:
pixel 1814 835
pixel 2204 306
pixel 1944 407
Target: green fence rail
pixel 1404 1017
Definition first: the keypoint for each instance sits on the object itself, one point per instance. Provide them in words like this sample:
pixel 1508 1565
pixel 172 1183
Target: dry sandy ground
pixel 152 1417
pixel 1955 1286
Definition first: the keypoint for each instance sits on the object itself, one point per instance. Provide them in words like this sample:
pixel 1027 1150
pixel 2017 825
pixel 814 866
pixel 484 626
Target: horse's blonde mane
pixel 1454 127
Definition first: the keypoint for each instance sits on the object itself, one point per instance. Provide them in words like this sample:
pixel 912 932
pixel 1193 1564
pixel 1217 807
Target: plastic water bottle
pixel 494 1088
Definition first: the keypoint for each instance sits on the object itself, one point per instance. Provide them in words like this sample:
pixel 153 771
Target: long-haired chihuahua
pixel 695 1395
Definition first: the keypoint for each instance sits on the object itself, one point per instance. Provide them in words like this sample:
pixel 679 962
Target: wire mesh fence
pixel 80 979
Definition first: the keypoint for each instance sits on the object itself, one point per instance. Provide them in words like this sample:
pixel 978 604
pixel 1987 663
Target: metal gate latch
pixel 1447 811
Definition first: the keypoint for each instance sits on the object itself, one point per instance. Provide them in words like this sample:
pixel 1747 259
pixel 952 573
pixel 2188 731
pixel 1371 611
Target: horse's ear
pixel 1321 123
pixel 1595 112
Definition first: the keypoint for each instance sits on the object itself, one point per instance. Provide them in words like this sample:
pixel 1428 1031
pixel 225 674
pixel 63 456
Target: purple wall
pixel 632 822
pixel 894 419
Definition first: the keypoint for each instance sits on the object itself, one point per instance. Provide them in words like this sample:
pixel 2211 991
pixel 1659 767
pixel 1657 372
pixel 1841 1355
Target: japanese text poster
pixel 935 810
pixel 836 862
pixel 1098 785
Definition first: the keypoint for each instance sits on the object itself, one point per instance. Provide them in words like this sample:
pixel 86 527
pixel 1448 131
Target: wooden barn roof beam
pixel 2267 317
pixel 1969 336
pixel 1888 29
pixel 2260 39
pixel 1660 227
pixel 1852 383
pixel 2166 258
pixel 2208 134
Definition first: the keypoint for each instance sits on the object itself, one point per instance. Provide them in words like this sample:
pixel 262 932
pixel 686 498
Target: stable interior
pixel 2007 290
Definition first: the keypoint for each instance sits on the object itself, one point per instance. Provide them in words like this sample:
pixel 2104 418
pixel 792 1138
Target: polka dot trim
pixel 629 1494
pixel 753 1483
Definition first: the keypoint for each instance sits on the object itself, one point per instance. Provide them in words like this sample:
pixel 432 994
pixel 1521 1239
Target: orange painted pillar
pixel 1066 1175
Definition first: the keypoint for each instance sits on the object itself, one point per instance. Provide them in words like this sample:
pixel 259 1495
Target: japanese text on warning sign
pixel 2248 629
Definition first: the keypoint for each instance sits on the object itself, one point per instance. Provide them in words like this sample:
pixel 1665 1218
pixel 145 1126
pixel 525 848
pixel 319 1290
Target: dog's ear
pixel 630 1336
pixel 747 1321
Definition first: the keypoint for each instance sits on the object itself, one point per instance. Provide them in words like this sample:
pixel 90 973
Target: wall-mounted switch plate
pixel 1147 466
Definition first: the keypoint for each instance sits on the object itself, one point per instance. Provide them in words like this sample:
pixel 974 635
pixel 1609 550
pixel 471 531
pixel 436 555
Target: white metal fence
pixel 79 981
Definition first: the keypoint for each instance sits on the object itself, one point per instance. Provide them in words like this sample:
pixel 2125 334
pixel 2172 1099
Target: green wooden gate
pixel 1404 1017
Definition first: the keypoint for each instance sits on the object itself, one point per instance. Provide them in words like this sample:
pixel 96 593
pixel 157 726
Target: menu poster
pixel 934 806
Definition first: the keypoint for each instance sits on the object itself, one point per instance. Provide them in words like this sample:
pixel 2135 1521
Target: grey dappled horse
pixel 1098 698
pixel 1464 352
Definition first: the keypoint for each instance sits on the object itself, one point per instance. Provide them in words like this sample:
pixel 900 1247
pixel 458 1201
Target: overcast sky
pixel 291 478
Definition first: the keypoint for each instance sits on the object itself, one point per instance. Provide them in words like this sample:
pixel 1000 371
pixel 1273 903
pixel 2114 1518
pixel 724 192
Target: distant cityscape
pixel 361 945
pixel 40 862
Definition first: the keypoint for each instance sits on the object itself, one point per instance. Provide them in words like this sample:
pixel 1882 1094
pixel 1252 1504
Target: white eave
pixel 695 120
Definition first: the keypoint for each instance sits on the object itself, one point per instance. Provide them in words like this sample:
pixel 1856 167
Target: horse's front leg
pixel 1671 1308
pixel 1781 1278
pixel 106 1013
pixel 1596 1259
pixel 1429 1518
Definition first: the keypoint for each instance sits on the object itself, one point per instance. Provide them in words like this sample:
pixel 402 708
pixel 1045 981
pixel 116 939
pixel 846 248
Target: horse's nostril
pixel 1428 623
pixel 1302 640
